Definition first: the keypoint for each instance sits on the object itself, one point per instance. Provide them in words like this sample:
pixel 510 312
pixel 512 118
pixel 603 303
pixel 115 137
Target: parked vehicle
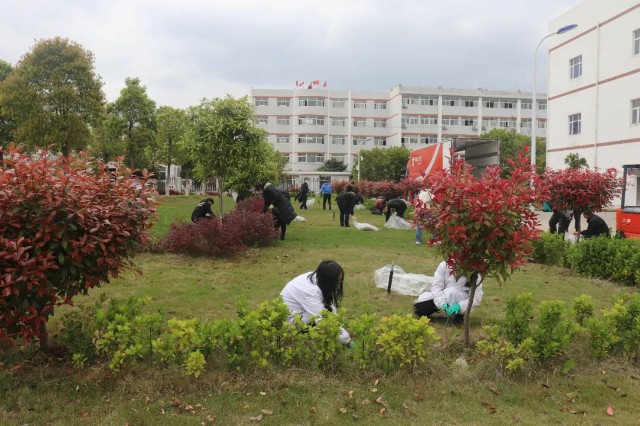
pixel 628 215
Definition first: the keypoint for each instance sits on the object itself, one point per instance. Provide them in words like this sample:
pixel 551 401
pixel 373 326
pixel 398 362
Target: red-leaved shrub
pixel 213 237
pixel 64 228
pixel 582 189
pixel 386 188
pixel 252 204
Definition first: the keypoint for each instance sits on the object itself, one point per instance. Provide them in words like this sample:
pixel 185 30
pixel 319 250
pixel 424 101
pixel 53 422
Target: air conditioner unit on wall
pixel 404 107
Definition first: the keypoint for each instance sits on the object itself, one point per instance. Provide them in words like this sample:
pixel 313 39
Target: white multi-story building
pixel 312 126
pixel 594 85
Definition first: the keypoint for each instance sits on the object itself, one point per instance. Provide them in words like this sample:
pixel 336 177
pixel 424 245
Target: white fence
pixel 186 186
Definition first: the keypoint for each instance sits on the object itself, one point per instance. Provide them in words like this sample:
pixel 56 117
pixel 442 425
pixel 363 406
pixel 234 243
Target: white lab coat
pixel 446 289
pixel 303 297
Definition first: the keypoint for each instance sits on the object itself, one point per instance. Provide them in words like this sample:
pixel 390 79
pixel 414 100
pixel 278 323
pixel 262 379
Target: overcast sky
pixel 184 50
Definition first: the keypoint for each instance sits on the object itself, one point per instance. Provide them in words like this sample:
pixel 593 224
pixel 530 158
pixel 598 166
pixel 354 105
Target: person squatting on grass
pixel 596 226
pixel 346 203
pixel 203 210
pixel 282 210
pixel 449 293
pixel 308 294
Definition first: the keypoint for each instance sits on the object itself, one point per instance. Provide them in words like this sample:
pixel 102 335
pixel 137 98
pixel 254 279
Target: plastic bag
pixel 359 207
pixel 362 226
pixel 403 282
pixel 396 222
pixel 299 219
pixel 311 202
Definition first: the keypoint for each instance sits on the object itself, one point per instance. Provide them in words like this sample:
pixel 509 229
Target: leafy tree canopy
pixel 171 129
pixel 380 164
pixel 54 96
pixel 333 165
pixel 7 125
pixel 511 144
pixel 574 161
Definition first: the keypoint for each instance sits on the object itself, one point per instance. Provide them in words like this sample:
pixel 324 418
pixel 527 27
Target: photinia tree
pixel 482 226
pixel 66 226
pixel 582 189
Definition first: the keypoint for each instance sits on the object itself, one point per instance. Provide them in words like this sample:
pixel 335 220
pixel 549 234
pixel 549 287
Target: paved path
pixel 609 217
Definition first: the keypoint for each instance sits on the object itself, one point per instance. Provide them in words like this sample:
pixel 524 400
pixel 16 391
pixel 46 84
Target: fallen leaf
pixel 379 400
pixel 490 408
pixel 15 367
pixel 350 393
pixel 355 416
pixel 365 402
pixel 85 416
pixel 610 411
pixel 418 397
pixel 188 408
pixel 147 400
pixel 256 418
pixel 374 390
pixel 494 390
pixel 263 393
pixel 77 388
pixel 343 410
pixel 313 409
pixel 267 412
pixel 497 299
pixel 383 410
pixel 376 382
pixel 517 419
pixel 405 410
pixel 211 419
pixel 545 385
pixel 162 411
pixel 175 401
pixel 198 406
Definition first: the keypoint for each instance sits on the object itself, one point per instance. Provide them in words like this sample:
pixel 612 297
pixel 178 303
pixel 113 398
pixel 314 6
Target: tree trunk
pixel 467 314
pixel 167 179
pixel 219 183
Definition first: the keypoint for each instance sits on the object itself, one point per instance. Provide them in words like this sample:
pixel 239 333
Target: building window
pixel 284 102
pixel 427 139
pixel 635 111
pixel 450 121
pixel 338 157
pixel 284 121
pixel 283 139
pixel 507 104
pixel 489 122
pixel 380 141
pixel 360 141
pixel 318 139
pixel 525 104
pixel 542 106
pixel 507 124
pixel 636 42
pixel 470 103
pixel 410 139
pixel 310 158
pixel 359 104
pixel 575 67
pixel 261 102
pixel 468 122
pixel 428 120
pixel 338 140
pixel 338 121
pixel 429 101
pixel 525 124
pixel 338 103
pixel 409 119
pixel 359 123
pixel 262 119
pixel 311 120
pixel 575 123
pixel 490 104
pixel 542 124
pixel 311 101
pixel 450 102
pixel 379 122
pixel 380 105
pixel 410 100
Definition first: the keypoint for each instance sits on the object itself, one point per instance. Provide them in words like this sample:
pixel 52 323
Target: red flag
pixel 309 87
pixel 296 83
pixel 324 84
pixel 316 82
pixel 301 84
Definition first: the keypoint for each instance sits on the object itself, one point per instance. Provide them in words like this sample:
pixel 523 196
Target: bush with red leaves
pixel 252 204
pixel 582 189
pixel 213 237
pixel 64 229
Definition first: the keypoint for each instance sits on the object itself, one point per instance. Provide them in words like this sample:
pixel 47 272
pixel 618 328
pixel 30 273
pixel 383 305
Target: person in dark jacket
pixel 559 221
pixel 398 205
pixel 203 210
pixel 346 202
pixel 303 194
pixel 282 210
pixel 596 226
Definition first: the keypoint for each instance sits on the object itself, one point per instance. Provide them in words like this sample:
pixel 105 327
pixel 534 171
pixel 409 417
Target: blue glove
pixel 444 307
pixel 453 310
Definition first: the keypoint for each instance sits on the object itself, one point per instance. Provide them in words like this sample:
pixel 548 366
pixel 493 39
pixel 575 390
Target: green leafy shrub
pixel 607 258
pixel 617 331
pixel 582 308
pixel 510 357
pixel 195 364
pixel 553 331
pixel 404 341
pixel 551 249
pixel 518 314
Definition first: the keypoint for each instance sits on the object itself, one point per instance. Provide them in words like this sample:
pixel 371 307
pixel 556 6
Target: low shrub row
pixel 246 227
pixel 123 335
pixel 612 259
pixel 523 339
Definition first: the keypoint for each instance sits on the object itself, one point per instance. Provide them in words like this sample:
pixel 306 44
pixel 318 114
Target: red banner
pixel 425 161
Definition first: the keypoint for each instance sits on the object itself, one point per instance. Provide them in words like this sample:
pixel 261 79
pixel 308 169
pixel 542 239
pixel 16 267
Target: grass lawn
pixel 210 288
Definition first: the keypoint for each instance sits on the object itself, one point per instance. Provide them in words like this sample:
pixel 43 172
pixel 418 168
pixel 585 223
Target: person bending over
pixel 308 294
pixel 398 205
pixel 449 293
pixel 203 210
pixel 282 210
pixel 346 202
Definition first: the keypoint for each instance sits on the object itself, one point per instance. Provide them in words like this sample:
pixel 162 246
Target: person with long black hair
pixel 308 294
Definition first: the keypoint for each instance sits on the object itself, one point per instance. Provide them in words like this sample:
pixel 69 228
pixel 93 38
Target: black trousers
pixel 345 212
pixel 558 223
pixel 428 308
pixel 577 214
pixel 303 202
pixel 325 198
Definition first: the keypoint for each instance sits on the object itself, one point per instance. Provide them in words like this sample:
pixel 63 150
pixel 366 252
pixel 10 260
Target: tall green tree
pixel 107 143
pixel 134 114
pixel 224 143
pixel 383 164
pixel 511 144
pixel 333 165
pixel 6 123
pixel 54 95
pixel 171 129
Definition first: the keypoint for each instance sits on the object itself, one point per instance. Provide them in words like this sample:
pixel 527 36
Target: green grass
pixel 211 288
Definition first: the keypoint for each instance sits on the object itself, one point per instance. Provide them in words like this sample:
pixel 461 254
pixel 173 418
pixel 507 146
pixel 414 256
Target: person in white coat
pixel 308 294
pixel 449 293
